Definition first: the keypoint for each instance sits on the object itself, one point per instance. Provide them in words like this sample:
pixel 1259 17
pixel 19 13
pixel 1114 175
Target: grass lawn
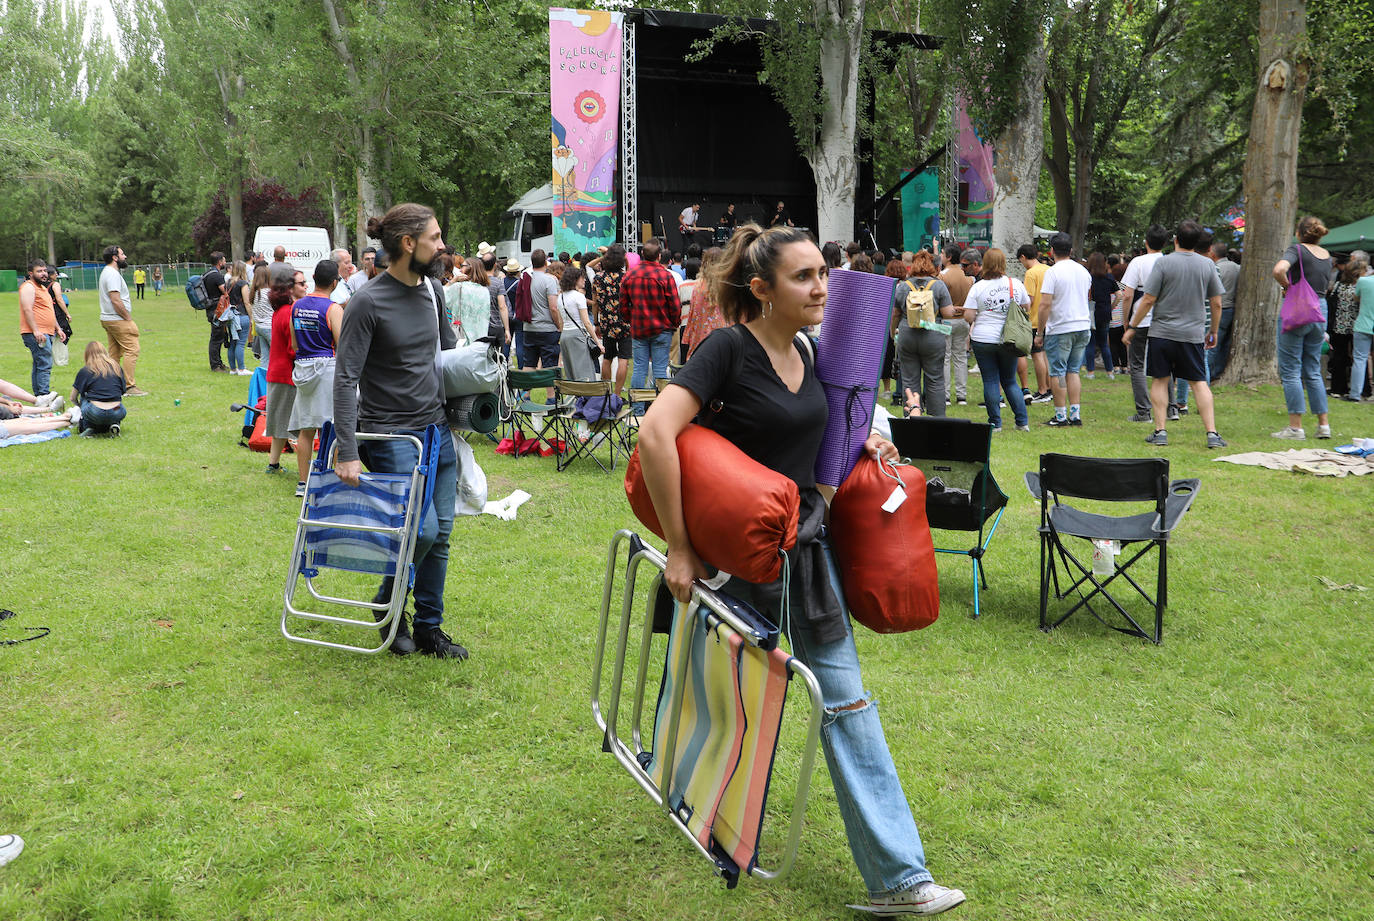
pixel 166 754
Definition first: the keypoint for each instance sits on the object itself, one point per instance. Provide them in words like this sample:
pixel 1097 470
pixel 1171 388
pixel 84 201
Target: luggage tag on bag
pixel 898 496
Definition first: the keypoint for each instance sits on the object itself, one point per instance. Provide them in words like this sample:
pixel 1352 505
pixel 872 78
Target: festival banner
pixel 584 90
pixel 973 222
pixel 921 210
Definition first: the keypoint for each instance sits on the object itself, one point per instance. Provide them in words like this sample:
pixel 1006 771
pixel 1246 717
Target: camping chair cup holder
pixel 1121 480
pixel 961 493
pixel 711 777
pixel 369 529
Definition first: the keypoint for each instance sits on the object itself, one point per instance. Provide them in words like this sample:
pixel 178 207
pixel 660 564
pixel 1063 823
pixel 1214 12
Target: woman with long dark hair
pixel 756 385
pixel 612 325
pixel 1104 287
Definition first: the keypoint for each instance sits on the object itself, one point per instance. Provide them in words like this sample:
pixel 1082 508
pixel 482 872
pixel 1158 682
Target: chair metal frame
pixel 401 578
pixel 614 432
pixel 1171 501
pixel 985 533
pixel 607 719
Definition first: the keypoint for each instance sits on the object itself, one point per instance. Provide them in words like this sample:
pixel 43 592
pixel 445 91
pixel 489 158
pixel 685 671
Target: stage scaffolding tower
pixel 629 139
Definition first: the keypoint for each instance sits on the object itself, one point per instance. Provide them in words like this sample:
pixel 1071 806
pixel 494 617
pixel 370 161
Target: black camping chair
pixel 961 494
pixel 1106 480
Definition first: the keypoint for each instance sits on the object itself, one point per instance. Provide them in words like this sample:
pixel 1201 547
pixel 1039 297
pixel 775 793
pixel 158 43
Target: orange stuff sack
pixel 886 559
pixel 739 513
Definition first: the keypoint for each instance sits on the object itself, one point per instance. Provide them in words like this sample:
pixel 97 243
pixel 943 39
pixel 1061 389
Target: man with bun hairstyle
pixel 387 381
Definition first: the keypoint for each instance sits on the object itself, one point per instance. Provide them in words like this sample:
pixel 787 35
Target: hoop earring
pixel 767 309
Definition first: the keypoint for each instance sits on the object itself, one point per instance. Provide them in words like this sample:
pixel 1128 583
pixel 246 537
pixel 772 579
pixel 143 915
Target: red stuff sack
pixel 739 513
pixel 886 559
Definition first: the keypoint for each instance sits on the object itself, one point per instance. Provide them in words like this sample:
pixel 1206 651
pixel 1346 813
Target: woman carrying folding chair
pixel 756 385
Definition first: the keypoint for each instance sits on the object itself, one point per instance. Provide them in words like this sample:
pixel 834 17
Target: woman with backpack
pixel 921 351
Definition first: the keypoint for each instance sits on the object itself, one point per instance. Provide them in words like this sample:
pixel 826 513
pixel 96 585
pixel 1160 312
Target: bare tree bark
pixel 369 203
pixel 834 159
pixel 1271 188
pixel 336 212
pixel 1016 166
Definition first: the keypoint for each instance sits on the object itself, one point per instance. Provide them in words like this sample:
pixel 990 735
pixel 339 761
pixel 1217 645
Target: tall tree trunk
pixel 1271 187
pixel 50 219
pixel 336 213
pixel 369 203
pixel 1085 166
pixel 1016 166
pixel 1057 159
pixel 834 159
pixel 236 169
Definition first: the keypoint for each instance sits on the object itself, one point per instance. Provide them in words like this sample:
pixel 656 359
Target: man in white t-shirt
pixel 1133 287
pixel 687 224
pixel 1067 313
pixel 342 291
pixel 116 316
pixel 362 276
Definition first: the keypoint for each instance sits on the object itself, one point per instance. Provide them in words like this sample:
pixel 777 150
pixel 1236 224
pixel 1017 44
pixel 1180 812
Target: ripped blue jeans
pixel 877 818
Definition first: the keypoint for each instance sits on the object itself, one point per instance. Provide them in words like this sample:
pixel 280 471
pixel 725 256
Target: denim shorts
pixel 1064 351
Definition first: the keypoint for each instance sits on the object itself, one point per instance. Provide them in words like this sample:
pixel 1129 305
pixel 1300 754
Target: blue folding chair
pixel 371 529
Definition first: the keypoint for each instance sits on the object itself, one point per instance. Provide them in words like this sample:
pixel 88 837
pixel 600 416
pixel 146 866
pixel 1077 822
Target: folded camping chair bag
pixel 887 559
pixel 742 516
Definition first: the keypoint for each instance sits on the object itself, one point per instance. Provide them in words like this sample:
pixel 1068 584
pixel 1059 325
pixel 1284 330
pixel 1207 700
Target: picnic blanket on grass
pixel 1314 461
pixel 35 438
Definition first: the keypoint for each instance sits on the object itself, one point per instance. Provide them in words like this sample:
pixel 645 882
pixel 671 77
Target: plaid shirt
pixel 648 299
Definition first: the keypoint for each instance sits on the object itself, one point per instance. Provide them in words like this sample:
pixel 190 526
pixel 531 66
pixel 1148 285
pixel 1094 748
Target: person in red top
pixel 649 300
pixel 281 389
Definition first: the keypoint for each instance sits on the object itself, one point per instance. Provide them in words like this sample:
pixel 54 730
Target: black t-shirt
pixel 744 400
pixel 103 387
pixel 1103 287
pixel 781 218
pixel 236 289
pixel 213 281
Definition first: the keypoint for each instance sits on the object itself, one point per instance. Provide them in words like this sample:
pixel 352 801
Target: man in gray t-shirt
pixel 1229 273
pixel 1179 287
pixel 543 332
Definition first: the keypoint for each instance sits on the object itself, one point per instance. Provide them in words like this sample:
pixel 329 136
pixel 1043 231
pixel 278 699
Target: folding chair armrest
pixel 1033 484
pixel 1180 499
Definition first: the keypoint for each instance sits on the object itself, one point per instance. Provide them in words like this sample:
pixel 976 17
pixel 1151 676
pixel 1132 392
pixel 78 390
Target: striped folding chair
pixel 716 720
pixel 369 529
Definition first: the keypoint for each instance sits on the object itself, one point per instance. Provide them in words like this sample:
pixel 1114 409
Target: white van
pixel 305 246
pixel 528 226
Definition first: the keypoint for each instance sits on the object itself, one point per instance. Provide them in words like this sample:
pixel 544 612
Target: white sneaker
pixel 46 399
pixel 1323 431
pixel 56 404
pixel 928 898
pixel 1291 434
pixel 10 848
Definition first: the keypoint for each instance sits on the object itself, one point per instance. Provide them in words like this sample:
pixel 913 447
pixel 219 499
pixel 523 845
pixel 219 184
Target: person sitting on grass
pixel 99 391
pixel 25 422
pixel 47 403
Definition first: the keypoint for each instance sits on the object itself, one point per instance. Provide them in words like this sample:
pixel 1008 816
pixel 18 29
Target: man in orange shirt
pixel 38 324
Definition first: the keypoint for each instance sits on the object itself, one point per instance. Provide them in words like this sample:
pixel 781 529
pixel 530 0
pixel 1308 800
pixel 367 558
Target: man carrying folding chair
pixel 387 381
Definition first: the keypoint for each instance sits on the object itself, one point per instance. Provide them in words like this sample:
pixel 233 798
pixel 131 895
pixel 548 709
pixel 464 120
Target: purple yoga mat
pixel 849 362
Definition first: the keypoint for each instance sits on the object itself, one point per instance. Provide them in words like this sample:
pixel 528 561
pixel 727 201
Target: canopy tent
pixel 1359 235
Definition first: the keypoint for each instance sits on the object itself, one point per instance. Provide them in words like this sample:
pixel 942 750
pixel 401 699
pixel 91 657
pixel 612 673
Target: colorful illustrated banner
pixel 921 210
pixel 584 90
pixel 973 223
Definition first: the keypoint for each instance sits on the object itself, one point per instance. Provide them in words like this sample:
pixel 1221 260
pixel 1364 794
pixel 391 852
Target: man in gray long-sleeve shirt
pixel 387 381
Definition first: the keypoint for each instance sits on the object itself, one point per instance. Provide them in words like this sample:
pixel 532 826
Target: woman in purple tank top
pixel 315 322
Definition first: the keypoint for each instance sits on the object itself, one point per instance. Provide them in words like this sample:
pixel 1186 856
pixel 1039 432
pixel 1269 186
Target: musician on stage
pixel 728 219
pixel 781 217
pixel 687 224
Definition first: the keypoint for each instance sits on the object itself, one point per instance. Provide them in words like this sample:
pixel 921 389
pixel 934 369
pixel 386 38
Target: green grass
pixel 166 754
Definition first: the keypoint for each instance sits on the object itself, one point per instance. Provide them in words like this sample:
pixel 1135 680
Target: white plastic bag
pixel 60 355
pixel 472 481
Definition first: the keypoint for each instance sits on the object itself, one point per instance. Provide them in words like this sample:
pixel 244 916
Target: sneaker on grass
pixel 136 392
pixel 1288 433
pixel 300 489
pixel 1323 431
pixel 928 898
pixel 1159 439
pixel 432 641
pixel 1140 417
pixel 1215 441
